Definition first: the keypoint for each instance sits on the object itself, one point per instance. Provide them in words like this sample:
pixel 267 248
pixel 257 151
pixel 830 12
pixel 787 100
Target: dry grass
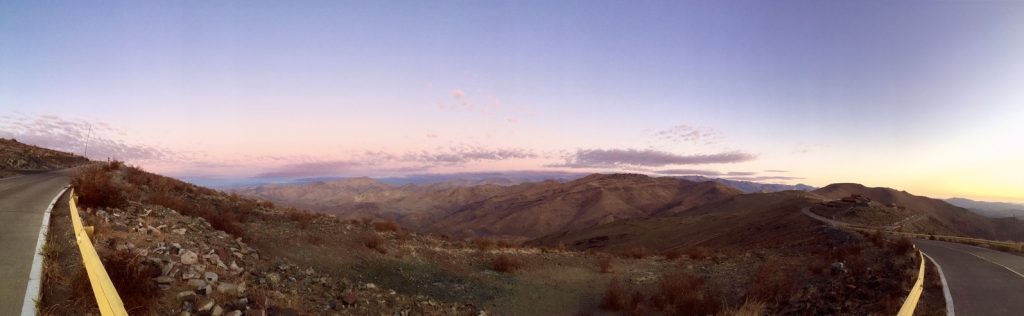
pixel 484 244
pixel 635 253
pixel 386 226
pixel 671 254
pixel 773 283
pixel 95 188
pixel 901 246
pixel 749 308
pixel 606 265
pixel 698 253
pixel 506 264
pixel 682 293
pixel 133 280
pixel 375 242
pixel 618 297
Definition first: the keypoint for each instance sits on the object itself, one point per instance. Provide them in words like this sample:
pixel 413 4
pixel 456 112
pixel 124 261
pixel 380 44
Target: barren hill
pixel 956 218
pixel 596 199
pixel 19 157
pixel 746 221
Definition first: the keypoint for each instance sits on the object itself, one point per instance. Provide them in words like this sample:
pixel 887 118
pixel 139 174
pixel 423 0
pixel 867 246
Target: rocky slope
pixel 18 157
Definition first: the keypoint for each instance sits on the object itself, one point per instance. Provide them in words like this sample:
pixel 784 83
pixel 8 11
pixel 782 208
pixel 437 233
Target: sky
pixel 923 96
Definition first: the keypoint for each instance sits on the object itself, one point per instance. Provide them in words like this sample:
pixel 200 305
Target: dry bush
pixel 849 251
pixel 772 283
pixel 749 308
pixel 618 297
pixel 606 265
pixel 506 244
pixel 671 254
pixel 698 253
pixel 682 293
pixel 133 280
pixel 402 235
pixel 635 253
pixel 386 226
pixel 505 263
pixel 373 241
pixel 483 244
pixel 877 238
pixel 901 246
pixel 95 187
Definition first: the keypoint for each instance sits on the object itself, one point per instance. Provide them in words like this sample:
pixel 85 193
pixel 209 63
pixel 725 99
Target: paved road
pixel 23 200
pixel 981 281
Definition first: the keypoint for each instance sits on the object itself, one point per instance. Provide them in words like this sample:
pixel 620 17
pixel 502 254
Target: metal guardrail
pixel 107 299
pixel 915 293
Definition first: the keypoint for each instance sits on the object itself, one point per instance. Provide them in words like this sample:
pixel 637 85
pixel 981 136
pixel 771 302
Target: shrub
pixel 901 246
pixel 483 244
pixel 95 188
pixel 504 263
pixel 617 296
pixel 373 241
pixel 671 254
pixel 682 293
pixel 635 253
pixel 386 226
pixel 772 284
pixel 133 280
pixel 606 265
pixel 698 253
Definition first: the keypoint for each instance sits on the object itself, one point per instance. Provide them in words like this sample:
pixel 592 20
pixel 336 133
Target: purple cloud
pixel 680 172
pixel 617 158
pixel 96 140
pixel 764 178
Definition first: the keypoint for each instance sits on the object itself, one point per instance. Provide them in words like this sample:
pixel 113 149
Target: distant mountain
pixel 990 209
pixel 550 206
pixel 751 187
pixel 16 157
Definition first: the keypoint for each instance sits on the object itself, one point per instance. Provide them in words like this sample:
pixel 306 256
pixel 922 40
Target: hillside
pixel 549 207
pixel 941 213
pixel 176 248
pixel 16 157
pixel 742 222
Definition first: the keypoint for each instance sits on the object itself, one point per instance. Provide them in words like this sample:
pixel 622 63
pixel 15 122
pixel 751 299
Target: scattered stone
pixel 227 288
pixel 189 257
pixel 196 283
pixel 234 313
pixel 210 277
pixel 164 279
pixel 274 278
pixel 179 231
pixel 186 295
pixel 207 306
pixel 348 298
pixel 217 311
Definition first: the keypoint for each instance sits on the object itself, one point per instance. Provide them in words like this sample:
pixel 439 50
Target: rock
pixel 164 279
pixel 196 283
pixel 371 286
pixel 217 311
pixel 179 231
pixel 189 257
pixel 227 288
pixel 206 306
pixel 234 313
pixel 210 277
pixel 274 278
pixel 186 295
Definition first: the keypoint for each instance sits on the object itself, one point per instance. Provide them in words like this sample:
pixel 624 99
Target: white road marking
pixel 945 287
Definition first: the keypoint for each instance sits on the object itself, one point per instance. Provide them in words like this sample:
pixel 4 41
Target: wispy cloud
pixel 96 140
pixel 379 162
pixel 687 172
pixel 690 133
pixel 776 171
pixel 617 158
pixel 764 178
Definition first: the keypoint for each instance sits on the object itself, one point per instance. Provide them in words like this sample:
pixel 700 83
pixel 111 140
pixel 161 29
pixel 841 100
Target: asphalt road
pixel 981 281
pixel 23 199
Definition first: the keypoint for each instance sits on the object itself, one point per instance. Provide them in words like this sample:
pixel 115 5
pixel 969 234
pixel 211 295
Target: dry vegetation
pixel 695 280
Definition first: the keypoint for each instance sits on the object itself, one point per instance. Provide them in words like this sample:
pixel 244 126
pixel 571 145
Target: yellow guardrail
pixel 106 295
pixel 915 293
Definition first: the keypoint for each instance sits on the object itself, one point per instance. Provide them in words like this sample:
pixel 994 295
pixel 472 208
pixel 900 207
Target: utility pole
pixel 88 136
